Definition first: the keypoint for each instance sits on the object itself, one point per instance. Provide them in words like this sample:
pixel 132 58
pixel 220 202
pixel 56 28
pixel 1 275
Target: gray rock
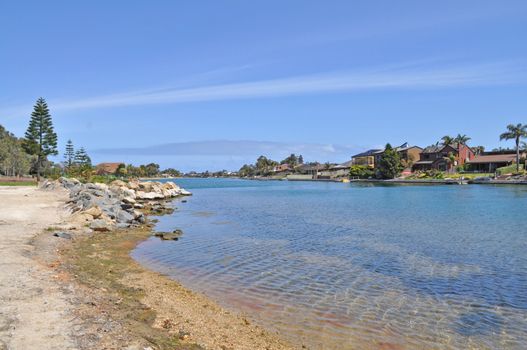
pixel 64 235
pixel 124 217
pixel 100 225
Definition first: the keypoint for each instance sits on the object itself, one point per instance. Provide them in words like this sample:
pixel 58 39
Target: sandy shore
pixel 88 293
pixel 34 309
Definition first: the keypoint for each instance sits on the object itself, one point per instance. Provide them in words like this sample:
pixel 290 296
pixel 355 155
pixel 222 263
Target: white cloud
pixel 394 77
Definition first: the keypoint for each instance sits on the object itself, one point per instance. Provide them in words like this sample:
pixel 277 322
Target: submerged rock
pixel 169 236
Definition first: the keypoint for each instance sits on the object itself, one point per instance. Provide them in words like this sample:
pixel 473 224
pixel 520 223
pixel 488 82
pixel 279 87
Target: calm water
pixel 341 266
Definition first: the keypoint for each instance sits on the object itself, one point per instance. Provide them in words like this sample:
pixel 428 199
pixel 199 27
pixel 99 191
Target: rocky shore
pixel 115 303
pixel 119 205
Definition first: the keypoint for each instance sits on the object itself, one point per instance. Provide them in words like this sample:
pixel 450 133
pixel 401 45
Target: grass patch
pixel 101 261
pixel 18 183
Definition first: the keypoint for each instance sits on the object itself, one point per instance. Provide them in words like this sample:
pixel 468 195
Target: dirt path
pixel 34 310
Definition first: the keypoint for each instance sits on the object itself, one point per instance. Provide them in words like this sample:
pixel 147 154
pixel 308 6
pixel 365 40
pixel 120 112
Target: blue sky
pixel 212 84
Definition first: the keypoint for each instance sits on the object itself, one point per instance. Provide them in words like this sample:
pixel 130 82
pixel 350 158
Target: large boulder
pixel 101 225
pixel 94 211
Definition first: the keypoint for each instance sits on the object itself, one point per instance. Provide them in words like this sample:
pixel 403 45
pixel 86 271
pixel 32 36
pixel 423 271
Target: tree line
pixel 264 166
pixel 29 155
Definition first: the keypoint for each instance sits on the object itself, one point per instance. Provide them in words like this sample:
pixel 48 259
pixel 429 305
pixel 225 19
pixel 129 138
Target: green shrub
pixel 508 169
pixel 361 171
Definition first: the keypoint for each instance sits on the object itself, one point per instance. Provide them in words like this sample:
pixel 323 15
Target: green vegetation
pixel 511 169
pixel 390 165
pixel 41 139
pixel 264 166
pixel 14 161
pixel 516 133
pixel 361 171
pixel 101 262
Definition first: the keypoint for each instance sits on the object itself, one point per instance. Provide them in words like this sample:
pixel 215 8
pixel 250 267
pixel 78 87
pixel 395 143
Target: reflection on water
pixel 336 266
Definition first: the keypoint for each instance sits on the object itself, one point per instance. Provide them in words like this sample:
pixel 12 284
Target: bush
pixel 508 169
pixel 361 171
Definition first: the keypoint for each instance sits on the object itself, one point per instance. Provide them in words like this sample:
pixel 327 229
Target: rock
pixel 118 183
pixel 138 206
pixel 126 206
pixel 3 346
pixel 149 195
pixel 122 225
pixel 169 236
pixel 124 217
pixel 64 235
pixel 100 225
pixel 95 212
pixel 184 192
pixel 129 200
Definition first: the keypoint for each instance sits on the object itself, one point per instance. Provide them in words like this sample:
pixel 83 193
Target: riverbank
pixel 100 297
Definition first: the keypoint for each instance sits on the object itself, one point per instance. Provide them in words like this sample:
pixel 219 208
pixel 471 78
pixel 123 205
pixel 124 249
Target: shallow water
pixel 340 266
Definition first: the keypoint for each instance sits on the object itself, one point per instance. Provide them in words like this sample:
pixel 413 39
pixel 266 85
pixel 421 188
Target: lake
pixel 341 266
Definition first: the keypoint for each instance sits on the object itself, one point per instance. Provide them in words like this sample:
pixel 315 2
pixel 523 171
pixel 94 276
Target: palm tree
pixel 478 150
pixel 462 138
pixel 516 133
pixel 447 140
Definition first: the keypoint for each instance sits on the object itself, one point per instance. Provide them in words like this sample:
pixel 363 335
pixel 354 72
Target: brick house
pixel 437 157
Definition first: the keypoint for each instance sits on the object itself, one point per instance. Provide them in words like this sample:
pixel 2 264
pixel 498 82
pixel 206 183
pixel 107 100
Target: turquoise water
pixel 339 266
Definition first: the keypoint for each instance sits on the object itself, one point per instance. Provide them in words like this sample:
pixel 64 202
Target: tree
pixel 361 171
pixel 447 140
pixel 13 160
pixel 82 159
pixel 450 159
pixel 462 139
pixel 69 155
pixel 300 159
pixel 41 139
pixel 390 163
pixel 478 150
pixel 524 146
pixel 516 133
pixel 246 170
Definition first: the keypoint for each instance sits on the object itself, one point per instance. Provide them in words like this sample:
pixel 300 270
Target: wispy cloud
pixel 394 77
pixel 233 148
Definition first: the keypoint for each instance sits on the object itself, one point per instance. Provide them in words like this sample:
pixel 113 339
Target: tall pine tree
pixel 69 155
pixel 41 139
pixel 82 158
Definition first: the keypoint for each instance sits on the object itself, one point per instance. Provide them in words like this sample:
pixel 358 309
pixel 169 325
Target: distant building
pixel 488 162
pixel 437 157
pixel 365 158
pixel 340 170
pixel 107 168
pixel 281 168
pixel 408 154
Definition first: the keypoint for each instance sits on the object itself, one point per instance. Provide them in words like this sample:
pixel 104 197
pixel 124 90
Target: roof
pixel 404 147
pixel 344 165
pixel 109 168
pixel 493 158
pixel 369 152
pixel 439 148
pixel 424 162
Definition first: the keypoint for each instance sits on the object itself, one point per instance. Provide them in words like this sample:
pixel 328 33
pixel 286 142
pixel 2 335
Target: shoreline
pixel 118 303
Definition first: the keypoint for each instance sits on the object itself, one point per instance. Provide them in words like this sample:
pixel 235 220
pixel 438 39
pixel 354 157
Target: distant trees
pixel 247 170
pixel 14 161
pixel 447 140
pixel 390 165
pixel 171 172
pixel 293 160
pixel 69 155
pixel 41 139
pixel 462 139
pixel 82 159
pixel 516 133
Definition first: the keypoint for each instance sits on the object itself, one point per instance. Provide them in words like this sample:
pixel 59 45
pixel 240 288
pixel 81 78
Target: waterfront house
pixel 437 157
pixel 488 162
pixel 282 168
pixel 365 158
pixel 339 170
pixel 107 168
pixel 408 154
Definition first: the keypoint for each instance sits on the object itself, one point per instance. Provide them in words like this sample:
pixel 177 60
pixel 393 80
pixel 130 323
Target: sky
pixel 199 85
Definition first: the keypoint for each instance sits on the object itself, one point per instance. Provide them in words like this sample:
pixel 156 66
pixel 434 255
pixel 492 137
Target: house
pixel 312 170
pixel 365 158
pixel 107 168
pixel 488 162
pixel 281 168
pixel 340 170
pixel 408 154
pixel 437 157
